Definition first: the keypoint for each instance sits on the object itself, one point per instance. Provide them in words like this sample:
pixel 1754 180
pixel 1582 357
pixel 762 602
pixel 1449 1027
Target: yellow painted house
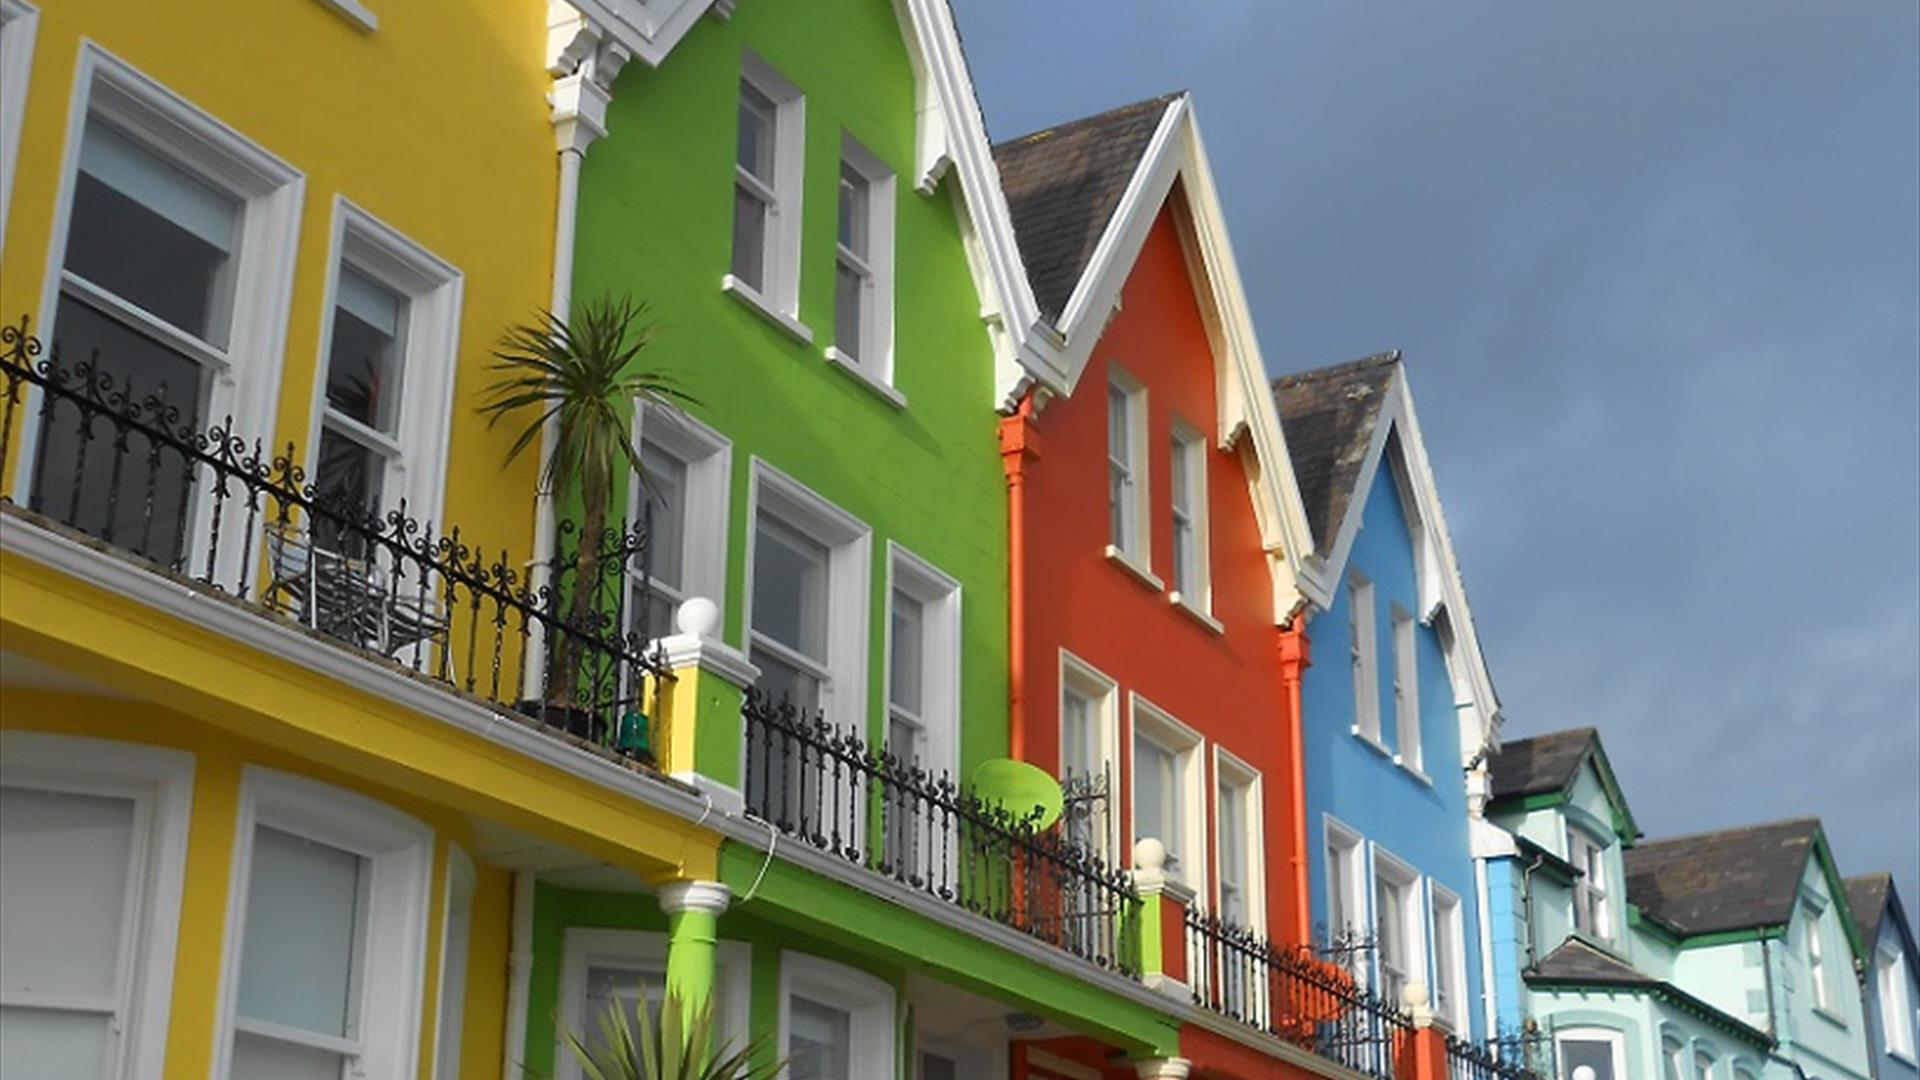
pixel 267 794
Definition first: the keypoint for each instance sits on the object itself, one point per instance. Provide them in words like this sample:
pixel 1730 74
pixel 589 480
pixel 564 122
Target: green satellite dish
pixel 1020 789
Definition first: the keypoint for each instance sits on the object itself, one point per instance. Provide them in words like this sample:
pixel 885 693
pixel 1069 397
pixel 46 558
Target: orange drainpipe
pixel 1296 656
pixel 1019 444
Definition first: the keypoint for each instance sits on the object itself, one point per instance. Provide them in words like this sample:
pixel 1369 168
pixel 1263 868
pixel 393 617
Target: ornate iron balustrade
pixel 827 788
pixel 91 453
pixel 1471 1061
pixel 1293 994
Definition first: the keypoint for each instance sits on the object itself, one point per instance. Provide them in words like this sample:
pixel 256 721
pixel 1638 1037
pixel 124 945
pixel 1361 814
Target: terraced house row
pixel 961 660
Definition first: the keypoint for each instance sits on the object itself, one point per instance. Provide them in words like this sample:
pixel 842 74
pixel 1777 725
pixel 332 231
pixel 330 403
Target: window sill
pixel 1905 1057
pixel 1195 613
pixel 1412 770
pixel 355 13
pixel 1139 573
pixel 1831 1017
pixel 1374 744
pixel 859 374
pixel 759 305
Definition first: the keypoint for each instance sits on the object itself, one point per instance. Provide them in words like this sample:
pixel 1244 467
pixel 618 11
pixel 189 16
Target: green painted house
pixel 794 191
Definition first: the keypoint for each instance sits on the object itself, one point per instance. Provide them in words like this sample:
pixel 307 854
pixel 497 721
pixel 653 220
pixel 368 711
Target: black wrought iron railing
pixel 1292 993
pixel 1467 1060
pixel 94 453
pixel 827 788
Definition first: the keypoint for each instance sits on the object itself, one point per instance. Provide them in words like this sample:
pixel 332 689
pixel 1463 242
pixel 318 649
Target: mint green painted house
pixel 797 192
pixel 1722 956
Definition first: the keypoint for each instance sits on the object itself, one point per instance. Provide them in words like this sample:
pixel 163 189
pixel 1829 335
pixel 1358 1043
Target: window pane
pixel 1076 734
pixel 781 681
pixel 453 986
pixel 790 589
pixel 1119 507
pixel 256 1057
pixel 909 651
pixel 936 1067
pixel 1155 796
pixel 1183 474
pixel 755 148
pixel 855 192
pixel 664 488
pixel 903 740
pixel 849 294
pixel 299 948
pixel 1670 1061
pixel 1593 1054
pixel 348 478
pixel 749 238
pixel 1704 1066
pixel 63 890
pixel 1119 426
pixel 146 369
pixel 1184 579
pixel 41 1043
pixel 364 361
pixel 821 1041
pixel 152 235
pixel 607 986
pixel 1339 903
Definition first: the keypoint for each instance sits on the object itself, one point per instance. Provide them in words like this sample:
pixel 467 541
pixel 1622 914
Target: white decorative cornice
pixel 584 58
pixel 705 897
pixel 1172 1068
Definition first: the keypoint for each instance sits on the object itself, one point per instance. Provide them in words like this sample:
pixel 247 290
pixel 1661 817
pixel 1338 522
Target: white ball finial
pixel 699 617
pixel 1415 996
pixel 1150 855
pixel 1585 1072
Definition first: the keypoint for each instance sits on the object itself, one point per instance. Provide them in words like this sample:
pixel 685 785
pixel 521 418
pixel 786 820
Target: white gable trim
pixel 646 29
pixel 1436 570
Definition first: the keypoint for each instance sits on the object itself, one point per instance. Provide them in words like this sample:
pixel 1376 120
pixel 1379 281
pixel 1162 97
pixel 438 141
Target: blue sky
pixel 1655 269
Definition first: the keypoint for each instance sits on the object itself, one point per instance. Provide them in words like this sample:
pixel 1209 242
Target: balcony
pixel 826 788
pixel 95 459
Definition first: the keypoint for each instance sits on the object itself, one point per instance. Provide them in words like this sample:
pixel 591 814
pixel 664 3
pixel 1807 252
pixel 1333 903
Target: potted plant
pixel 581 377
pixel 634 1049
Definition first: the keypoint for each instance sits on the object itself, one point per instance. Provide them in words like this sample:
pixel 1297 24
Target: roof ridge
pixel 1730 831
pixel 1380 359
pixel 1162 100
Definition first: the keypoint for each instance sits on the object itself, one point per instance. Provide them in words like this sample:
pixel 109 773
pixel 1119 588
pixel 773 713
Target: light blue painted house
pixel 1721 956
pixel 1892 976
pixel 1397 706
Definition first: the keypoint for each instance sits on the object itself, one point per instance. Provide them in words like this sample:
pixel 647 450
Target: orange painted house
pixel 1156 663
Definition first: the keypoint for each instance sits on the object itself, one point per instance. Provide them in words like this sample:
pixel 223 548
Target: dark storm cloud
pixel 1655 271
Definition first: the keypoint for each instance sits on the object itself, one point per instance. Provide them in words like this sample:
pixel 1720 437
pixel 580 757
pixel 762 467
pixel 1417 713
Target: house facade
pixel 1891 981
pixel 1723 956
pixel 1397 707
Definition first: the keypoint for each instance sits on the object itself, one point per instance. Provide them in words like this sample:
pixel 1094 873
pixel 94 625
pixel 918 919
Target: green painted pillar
pixel 693 910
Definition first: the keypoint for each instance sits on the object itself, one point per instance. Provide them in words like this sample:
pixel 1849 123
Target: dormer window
pixel 1592 913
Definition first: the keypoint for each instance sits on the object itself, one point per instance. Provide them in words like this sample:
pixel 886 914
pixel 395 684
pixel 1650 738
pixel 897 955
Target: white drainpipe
pixel 513 1053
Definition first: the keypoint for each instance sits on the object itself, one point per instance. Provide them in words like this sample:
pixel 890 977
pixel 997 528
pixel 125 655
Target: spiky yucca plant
pixel 581 376
pixel 631 1048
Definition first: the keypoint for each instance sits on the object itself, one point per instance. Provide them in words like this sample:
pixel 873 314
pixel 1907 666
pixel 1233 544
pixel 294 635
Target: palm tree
pixel 634 1049
pixel 581 378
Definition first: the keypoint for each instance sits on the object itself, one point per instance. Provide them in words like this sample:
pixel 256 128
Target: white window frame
pixel 1406 692
pixel 1592 903
pixel 868 1001
pixel 1134 550
pixel 1896 1001
pixel 1616 1044
pixel 1347 890
pixel 399 853
pixel 429 358
pixel 778 298
pixel 1443 907
pixel 586 947
pixel 243 377
pixel 940 627
pixel 1364 650
pixel 1814 952
pixel 1673 1058
pixel 450 1019
pixel 1705 1062
pixel 19 22
pixel 1086 681
pixel 1187 854
pixel 875 366
pixel 1188 458
pixel 708 458
pixel 849 544
pixel 160 783
pixel 1231 771
pixel 1402 877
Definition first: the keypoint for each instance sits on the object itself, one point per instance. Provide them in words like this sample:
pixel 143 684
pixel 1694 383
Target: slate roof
pixel 1736 879
pixel 1867 899
pixel 1575 961
pixel 1328 415
pixel 1540 764
pixel 1062 187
